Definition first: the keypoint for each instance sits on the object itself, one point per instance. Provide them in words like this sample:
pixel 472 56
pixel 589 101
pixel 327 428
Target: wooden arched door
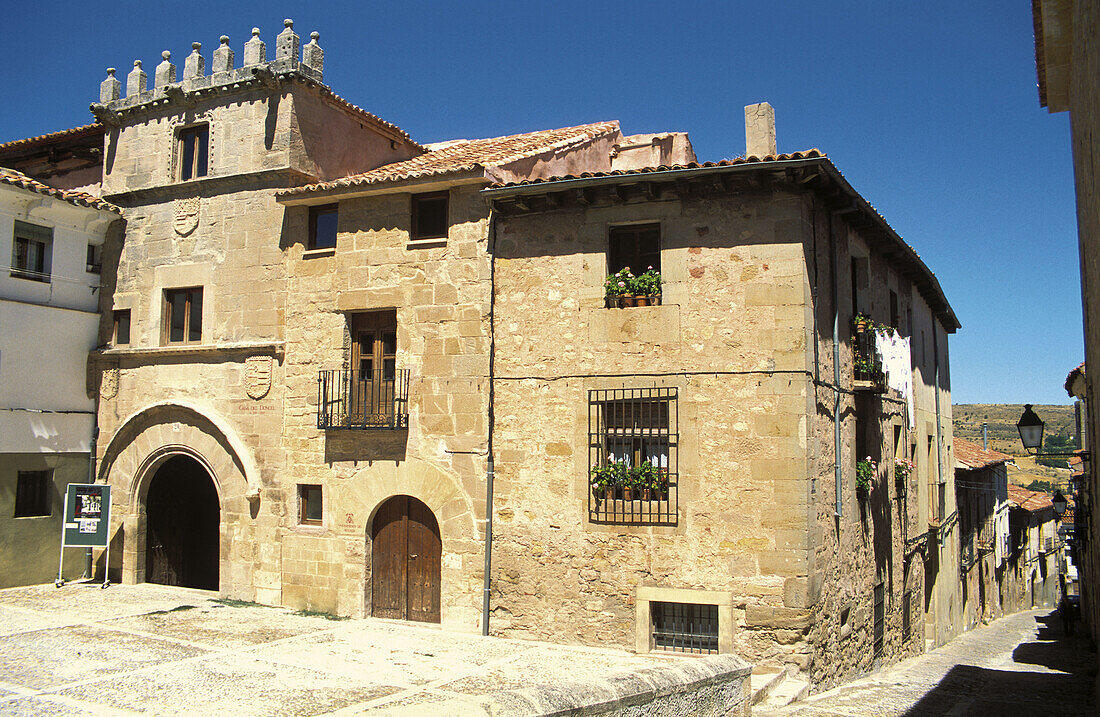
pixel 182 533
pixel 405 561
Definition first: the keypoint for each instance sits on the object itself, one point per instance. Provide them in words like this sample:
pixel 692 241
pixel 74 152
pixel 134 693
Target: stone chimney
pixel 255 51
pixel 312 54
pixel 194 66
pixel 166 71
pixel 110 89
pixel 222 62
pixel 136 80
pixel 759 130
pixel 286 44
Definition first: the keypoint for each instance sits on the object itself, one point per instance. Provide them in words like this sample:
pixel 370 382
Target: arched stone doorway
pixel 182 526
pixel 406 552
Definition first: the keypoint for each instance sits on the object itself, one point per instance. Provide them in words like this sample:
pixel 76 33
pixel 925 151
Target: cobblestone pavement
pixel 149 649
pixel 1019 665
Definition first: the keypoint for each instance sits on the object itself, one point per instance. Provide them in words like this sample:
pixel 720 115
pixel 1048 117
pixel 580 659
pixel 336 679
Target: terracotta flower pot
pixel 629 300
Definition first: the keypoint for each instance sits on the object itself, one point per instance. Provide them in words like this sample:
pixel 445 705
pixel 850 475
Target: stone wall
pixel 731 337
pixel 441 295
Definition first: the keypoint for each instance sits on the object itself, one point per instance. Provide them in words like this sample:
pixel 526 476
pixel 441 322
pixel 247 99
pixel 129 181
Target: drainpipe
pixel 91 479
pixel 936 389
pixel 836 368
pixel 489 475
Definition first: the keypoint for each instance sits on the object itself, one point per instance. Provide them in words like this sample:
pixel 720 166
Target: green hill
pixel 1001 418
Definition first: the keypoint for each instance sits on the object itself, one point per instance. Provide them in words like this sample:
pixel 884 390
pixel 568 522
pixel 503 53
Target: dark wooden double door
pixel 182 526
pixel 405 561
pixel 374 368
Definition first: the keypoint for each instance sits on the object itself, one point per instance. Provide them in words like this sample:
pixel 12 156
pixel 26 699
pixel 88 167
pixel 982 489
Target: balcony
pixel 867 366
pixel 374 400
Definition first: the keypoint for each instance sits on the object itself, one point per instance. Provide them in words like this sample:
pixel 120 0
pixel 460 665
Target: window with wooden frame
pixel 95 259
pixel 322 226
pixel 30 253
pixel 637 246
pixel 633 454
pixel 429 216
pixel 32 494
pixel 194 151
pixel 310 506
pixel 120 335
pixel 183 316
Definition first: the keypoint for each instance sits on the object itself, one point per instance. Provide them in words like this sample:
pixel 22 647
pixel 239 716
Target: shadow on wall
pixel 971 690
pixel 352 445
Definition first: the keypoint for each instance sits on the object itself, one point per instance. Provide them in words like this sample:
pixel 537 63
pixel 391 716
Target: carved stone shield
pixel 257 376
pixel 186 215
pixel 108 384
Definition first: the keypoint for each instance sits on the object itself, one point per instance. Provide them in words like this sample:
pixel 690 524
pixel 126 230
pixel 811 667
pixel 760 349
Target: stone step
pixel 764 679
pixel 792 689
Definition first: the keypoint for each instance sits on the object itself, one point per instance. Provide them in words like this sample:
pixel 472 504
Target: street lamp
pixel 1030 427
pixel 1060 504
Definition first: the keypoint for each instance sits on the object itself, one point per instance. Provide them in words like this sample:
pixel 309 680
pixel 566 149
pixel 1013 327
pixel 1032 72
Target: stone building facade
pixel 986 572
pixel 355 361
pixel 728 385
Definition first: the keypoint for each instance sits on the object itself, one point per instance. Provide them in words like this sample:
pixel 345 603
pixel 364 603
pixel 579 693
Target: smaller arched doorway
pixel 182 526
pixel 405 561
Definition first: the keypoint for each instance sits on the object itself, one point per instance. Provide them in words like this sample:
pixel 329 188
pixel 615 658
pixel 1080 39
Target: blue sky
pixel 929 109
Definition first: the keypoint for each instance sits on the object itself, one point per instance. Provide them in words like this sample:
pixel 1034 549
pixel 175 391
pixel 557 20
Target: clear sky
pixel 929 109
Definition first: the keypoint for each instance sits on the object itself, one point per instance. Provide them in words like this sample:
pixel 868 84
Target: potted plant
pixel 646 478
pixel 646 287
pixel 903 468
pixel 865 474
pixel 862 322
pixel 603 479
pixel 617 289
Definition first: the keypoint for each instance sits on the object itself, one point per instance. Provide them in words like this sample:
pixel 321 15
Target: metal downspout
pixel 489 461
pixel 936 389
pixel 836 368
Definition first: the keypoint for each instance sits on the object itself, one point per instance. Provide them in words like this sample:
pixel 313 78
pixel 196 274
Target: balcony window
pixel 373 392
pixel 867 370
pixel 633 454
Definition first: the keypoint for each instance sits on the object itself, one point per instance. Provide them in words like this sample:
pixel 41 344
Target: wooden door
pixel 182 526
pixel 405 561
pixel 373 366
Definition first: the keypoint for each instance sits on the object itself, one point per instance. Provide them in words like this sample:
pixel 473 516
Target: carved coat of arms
pixel 108 384
pixel 186 215
pixel 257 376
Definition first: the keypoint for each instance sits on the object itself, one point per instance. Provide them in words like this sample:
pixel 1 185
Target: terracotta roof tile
pixel 81 199
pixel 973 456
pixel 465 156
pixel 807 154
pixel 72 133
pixel 1029 500
pixel 1079 371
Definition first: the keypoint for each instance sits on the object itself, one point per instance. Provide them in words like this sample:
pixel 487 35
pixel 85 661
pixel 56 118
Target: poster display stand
pixel 86 524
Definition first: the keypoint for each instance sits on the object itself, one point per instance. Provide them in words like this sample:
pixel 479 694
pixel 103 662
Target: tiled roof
pixel 18 179
pixel 1079 371
pixel 807 154
pixel 466 156
pixel 1028 499
pixel 973 456
pixel 88 130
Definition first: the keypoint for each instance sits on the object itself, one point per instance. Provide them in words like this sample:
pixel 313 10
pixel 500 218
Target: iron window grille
pixel 684 627
pixel 32 494
pixel 633 436
pixel 377 399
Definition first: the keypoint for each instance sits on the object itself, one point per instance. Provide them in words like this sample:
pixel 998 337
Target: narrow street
pixel 1019 665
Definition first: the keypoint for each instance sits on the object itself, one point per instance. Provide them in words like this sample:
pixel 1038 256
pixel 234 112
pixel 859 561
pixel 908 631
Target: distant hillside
pixel 1001 420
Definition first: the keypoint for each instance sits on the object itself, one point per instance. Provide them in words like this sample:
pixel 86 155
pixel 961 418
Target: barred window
pixel 633 444
pixel 32 494
pixel 684 627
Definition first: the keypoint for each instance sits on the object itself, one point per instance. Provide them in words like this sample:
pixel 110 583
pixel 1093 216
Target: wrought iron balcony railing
pixel 867 370
pixel 363 400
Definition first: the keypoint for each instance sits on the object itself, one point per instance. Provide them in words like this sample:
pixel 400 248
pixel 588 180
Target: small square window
pixel 684 627
pixel 310 511
pixel 32 494
pixel 121 333
pixel 183 316
pixel 30 253
pixel 322 226
pixel 636 246
pixel 194 150
pixel 95 258
pixel 429 216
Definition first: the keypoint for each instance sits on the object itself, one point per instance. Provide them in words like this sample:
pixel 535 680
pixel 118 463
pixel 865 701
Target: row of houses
pixel 337 369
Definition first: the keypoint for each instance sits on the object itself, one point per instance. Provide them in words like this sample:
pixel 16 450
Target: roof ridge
pixel 85 128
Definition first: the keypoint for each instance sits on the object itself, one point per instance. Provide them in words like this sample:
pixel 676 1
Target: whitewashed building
pixel 49 319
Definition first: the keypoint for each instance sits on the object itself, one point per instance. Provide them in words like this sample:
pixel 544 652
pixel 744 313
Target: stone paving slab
pixel 152 649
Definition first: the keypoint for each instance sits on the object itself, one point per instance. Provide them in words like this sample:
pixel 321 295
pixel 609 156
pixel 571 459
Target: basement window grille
pixel 633 445
pixel 685 627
